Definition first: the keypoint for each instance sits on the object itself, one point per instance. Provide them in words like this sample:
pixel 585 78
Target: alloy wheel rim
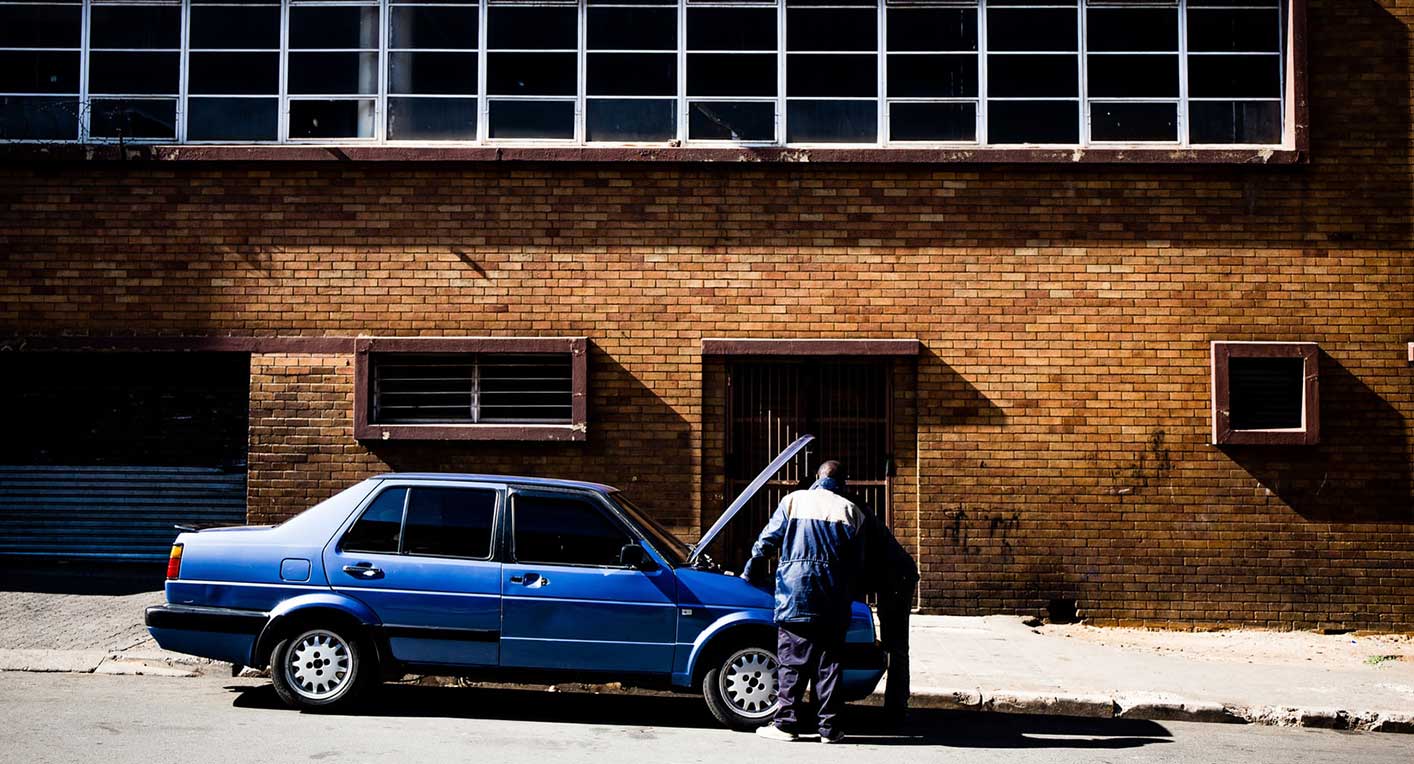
pixel 748 682
pixel 319 665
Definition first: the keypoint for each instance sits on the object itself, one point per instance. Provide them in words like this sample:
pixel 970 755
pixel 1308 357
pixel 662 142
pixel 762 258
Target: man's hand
pixel 755 572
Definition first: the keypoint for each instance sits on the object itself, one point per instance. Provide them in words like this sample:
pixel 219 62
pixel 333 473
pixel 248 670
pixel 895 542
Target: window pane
pixel 565 531
pixel 1266 393
pixel 632 74
pixel 1031 29
pixel 1234 76
pixel 1133 122
pixel 1234 30
pixel 222 27
pixel 932 122
pixel 454 522
pixel 39 72
pixel 232 119
pixel 830 29
pixel 822 75
pixel 535 28
pixel 633 28
pixel 531 73
pixel 832 121
pixel 932 29
pixel 431 119
pixel 377 529
pixel 333 27
pixel 719 121
pixel 333 73
pixel 234 73
pixel 423 27
pixel 1033 122
pixel 1131 29
pixel 352 118
pixel 423 388
pixel 40 26
pixel 133 72
pixel 1034 76
pixel 731 28
pixel 1235 122
pixel 1121 76
pixel 926 76
pixel 432 73
pixel 727 74
pixel 30 118
pixel 136 26
pixel 526 387
pixel 532 119
pixel 631 120
pixel 133 118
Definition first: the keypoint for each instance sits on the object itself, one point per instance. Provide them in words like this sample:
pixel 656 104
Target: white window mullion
pixel 1082 87
pixel 781 125
pixel 581 101
pixel 181 126
pixel 882 74
pixel 982 72
pixel 283 117
pixel 380 102
pixel 682 72
pixel 1182 120
pixel 84 102
pixel 483 110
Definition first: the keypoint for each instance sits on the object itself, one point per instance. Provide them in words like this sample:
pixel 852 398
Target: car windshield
pixel 663 539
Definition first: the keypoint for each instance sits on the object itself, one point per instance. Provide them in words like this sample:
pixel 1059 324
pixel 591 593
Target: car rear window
pixel 377 530
pixel 452 522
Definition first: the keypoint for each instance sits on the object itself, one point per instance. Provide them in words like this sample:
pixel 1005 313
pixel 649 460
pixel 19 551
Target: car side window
pixel 378 528
pixel 566 531
pixel 451 522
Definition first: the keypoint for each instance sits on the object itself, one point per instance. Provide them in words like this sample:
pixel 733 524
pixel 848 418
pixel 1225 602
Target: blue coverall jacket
pixel 818 534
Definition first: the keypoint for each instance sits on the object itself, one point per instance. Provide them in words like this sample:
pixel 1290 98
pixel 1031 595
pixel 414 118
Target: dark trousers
pixel 808 652
pixel 893 637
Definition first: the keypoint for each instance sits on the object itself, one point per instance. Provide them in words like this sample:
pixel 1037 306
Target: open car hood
pixel 740 501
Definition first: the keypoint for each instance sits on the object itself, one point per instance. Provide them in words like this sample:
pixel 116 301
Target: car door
pixel 422 556
pixel 567 601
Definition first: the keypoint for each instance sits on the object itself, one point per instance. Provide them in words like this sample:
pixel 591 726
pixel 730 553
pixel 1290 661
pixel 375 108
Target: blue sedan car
pixel 493 577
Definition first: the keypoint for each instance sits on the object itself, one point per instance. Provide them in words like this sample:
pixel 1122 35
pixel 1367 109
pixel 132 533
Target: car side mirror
pixel 636 557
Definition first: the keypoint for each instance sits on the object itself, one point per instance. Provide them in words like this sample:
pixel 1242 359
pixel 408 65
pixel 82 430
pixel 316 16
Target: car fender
pixel 306 603
pixel 736 620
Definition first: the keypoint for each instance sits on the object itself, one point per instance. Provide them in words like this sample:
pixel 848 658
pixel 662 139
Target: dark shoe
pixel 832 738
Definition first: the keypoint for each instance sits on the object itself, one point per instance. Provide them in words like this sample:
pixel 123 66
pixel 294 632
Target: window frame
pixel 497 518
pixel 1221 352
pixel 593 498
pixel 366 429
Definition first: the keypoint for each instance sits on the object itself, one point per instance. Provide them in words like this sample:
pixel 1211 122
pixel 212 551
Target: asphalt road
pixel 212 720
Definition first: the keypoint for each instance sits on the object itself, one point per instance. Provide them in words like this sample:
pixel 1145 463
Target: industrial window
pixel 1265 393
pixel 470 388
pixel 1003 73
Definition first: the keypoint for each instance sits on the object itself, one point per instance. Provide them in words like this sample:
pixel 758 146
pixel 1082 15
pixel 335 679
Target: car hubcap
pixel 318 665
pixel 748 682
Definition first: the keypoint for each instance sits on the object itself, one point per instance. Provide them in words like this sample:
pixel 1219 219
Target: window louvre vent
pixel 465 388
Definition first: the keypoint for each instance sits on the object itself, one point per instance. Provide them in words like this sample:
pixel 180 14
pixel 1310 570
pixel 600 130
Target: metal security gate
pixel 845 404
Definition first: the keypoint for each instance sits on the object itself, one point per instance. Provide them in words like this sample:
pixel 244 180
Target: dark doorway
pixel 844 403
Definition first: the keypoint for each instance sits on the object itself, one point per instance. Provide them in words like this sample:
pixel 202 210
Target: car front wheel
pixel 318 668
pixel 740 689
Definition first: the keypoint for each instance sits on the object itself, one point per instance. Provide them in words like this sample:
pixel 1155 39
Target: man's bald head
pixel 831 469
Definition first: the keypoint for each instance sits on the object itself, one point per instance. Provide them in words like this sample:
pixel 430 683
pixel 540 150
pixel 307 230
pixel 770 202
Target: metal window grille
pixel 465 388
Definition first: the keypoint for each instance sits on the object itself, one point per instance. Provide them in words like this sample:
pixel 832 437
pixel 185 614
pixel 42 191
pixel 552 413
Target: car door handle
pixel 363 570
pixel 531 580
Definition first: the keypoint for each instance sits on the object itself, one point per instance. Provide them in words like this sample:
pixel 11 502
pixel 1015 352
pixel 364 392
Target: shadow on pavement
pixel 864 725
pixel 94 577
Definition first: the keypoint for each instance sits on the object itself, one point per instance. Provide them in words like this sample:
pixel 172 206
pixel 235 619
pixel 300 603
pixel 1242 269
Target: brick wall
pixel 1061 408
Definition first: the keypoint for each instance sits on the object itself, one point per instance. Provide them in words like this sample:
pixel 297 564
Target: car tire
pixel 740 686
pixel 321 668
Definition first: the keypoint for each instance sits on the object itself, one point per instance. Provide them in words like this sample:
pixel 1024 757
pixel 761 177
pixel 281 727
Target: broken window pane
pixel 39 72
pixel 219 27
pixel 1131 29
pixel 433 27
pixel 1234 76
pixel 133 119
pixel 633 28
pixel 726 74
pixel 933 76
pixel 1235 121
pixel 344 118
pixel 532 119
pixel 631 120
pixel 1031 29
pixel 133 72
pixel 1033 122
pixel 810 75
pixel 536 28
pixel 438 119
pixel 40 26
pixel 432 73
pixel 831 29
pixel 333 73
pixel 932 29
pixel 1134 122
pixel 339 27
pixel 135 26
pixel 232 119
pixel 233 73
pixel 1252 31
pixel 731 28
pixel 1032 76
pixel 728 121
pixel 39 119
pixel 832 121
pixel 1121 76
pixel 932 122
pixel 632 73
pixel 532 73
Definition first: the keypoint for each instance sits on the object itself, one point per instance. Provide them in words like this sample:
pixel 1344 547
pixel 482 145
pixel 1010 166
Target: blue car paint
pixel 615 620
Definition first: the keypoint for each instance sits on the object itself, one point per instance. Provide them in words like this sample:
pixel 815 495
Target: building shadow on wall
pixel 636 442
pixel 1358 473
pixel 947 399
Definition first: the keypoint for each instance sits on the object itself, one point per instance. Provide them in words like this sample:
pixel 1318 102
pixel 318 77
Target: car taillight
pixel 174 562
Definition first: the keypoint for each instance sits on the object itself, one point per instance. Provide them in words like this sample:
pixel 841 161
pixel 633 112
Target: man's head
pixel 830 476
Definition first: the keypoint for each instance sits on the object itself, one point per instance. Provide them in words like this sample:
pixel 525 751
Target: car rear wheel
pixel 319 668
pixel 740 689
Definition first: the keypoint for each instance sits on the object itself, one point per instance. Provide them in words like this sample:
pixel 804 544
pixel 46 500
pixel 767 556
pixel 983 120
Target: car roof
pixel 515 479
